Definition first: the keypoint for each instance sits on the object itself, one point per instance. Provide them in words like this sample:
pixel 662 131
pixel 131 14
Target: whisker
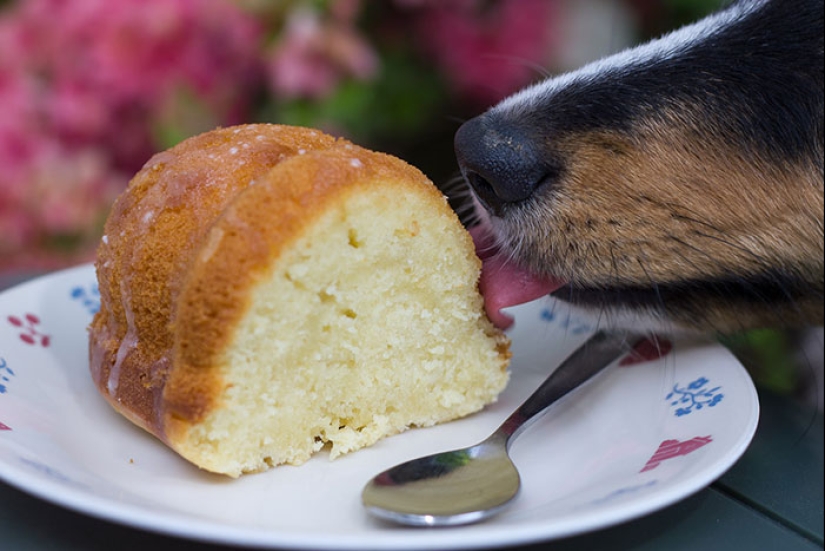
pixel 456 119
pixel 743 282
pixel 542 71
pixel 653 283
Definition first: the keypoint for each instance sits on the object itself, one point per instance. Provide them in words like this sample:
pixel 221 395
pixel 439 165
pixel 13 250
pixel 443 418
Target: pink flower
pixel 486 50
pixel 68 193
pixel 65 197
pixel 86 88
pixel 90 89
pixel 315 54
pixel 107 67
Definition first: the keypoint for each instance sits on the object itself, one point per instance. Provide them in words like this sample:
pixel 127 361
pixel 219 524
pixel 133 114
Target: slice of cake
pixel 267 291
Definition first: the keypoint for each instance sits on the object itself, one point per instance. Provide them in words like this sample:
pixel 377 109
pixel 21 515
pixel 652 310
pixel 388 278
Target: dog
pixel 675 186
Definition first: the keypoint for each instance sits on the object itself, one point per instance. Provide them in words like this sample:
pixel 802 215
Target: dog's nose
pixel 502 164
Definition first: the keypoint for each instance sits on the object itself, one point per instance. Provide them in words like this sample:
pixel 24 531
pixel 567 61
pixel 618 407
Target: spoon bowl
pixel 449 488
pixel 468 485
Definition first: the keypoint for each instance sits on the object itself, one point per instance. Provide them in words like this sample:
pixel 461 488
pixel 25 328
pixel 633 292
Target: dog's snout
pixel 503 165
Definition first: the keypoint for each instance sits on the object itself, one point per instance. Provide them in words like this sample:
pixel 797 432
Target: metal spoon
pixel 471 484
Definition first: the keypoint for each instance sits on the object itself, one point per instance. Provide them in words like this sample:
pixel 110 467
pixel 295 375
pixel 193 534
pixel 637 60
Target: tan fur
pixel 664 207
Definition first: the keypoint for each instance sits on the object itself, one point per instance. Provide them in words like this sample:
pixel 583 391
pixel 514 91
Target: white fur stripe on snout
pixel 668 46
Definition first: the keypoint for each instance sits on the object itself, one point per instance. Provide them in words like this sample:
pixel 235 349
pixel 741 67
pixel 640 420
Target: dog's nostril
pixel 484 191
pixel 501 162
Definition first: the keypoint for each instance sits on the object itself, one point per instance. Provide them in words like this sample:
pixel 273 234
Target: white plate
pixel 636 439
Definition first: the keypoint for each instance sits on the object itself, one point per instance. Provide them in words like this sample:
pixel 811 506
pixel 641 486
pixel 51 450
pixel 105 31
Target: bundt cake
pixel 267 291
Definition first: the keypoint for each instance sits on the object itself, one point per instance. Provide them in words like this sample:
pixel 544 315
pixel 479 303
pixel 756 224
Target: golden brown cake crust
pixel 244 244
pixel 152 232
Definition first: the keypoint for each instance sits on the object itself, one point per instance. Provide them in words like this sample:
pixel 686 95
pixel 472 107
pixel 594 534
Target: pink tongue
pixel 503 284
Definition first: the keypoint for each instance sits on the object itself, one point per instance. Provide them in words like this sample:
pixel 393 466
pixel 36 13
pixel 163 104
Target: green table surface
pixel 772 498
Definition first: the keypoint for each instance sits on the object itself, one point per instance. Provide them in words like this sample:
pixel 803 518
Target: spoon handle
pixel 595 354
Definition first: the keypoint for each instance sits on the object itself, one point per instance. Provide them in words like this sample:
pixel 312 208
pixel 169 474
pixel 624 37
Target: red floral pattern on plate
pixel 674 448
pixel 30 334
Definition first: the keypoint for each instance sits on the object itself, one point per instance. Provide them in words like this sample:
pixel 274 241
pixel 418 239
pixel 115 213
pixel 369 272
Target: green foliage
pixel 400 102
pixel 769 356
pixel 686 11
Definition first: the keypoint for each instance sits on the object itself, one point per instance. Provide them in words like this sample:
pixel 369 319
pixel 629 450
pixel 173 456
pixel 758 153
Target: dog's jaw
pixel 504 284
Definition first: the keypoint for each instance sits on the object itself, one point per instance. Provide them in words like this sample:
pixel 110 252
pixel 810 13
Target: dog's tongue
pixel 504 284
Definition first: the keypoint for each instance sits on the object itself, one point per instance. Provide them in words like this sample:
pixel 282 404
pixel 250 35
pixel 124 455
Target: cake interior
pixel 365 325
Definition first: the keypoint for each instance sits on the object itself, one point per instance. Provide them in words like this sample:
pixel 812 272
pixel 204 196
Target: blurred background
pixel 90 89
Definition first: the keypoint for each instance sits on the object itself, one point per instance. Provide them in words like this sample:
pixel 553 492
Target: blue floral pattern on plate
pixel 5 375
pixel 568 322
pixel 694 397
pixel 88 296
